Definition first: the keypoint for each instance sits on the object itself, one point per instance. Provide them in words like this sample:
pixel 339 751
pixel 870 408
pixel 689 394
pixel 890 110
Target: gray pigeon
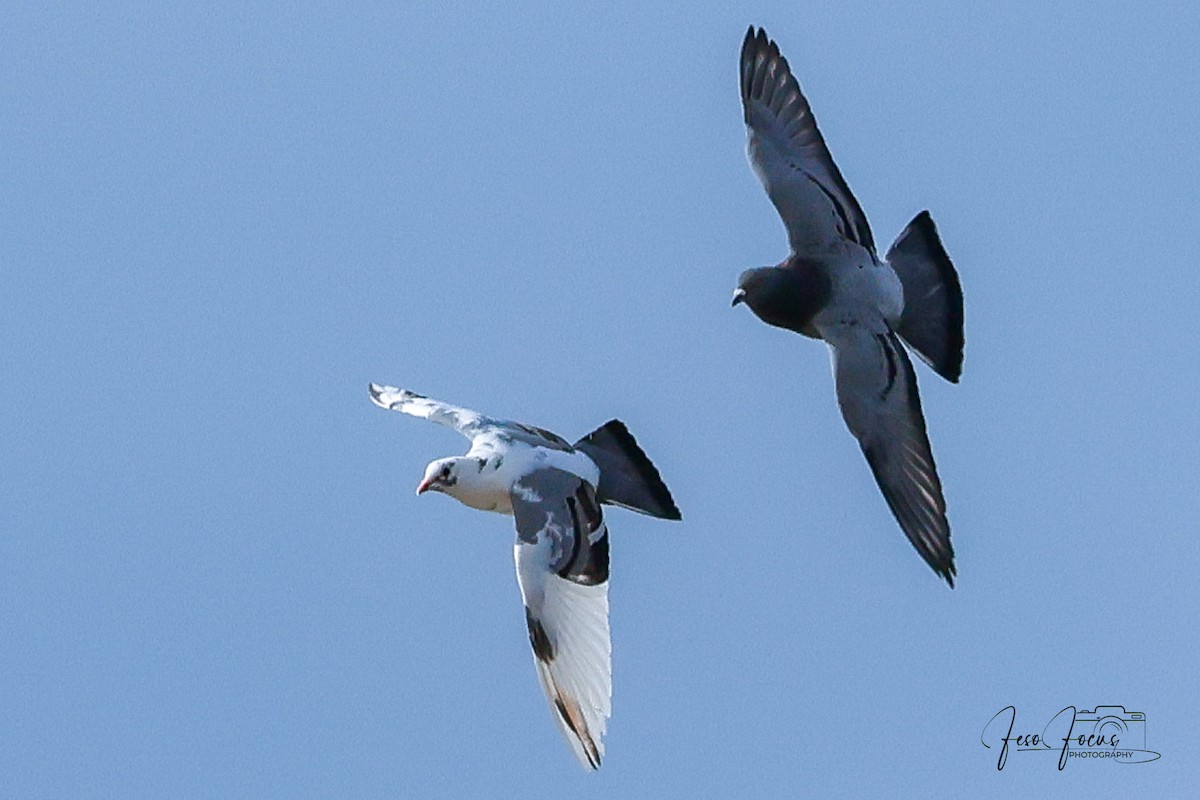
pixel 554 490
pixel 835 287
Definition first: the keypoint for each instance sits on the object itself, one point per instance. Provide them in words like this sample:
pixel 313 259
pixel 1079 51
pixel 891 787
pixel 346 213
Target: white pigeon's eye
pixel 445 472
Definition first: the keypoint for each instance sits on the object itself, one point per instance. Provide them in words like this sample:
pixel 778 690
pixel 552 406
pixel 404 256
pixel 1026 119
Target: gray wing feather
pixel 789 154
pixel 555 505
pixel 877 392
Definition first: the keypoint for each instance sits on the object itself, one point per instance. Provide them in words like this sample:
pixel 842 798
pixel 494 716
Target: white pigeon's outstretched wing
pixel 790 157
pixel 562 568
pixel 463 420
pixel 877 392
pixel 467 422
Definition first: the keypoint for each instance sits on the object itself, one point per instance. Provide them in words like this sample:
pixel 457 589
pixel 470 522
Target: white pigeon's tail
pixel 627 477
pixel 932 322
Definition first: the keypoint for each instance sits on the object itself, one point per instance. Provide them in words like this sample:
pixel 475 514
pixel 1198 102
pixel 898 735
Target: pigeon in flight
pixel 554 490
pixel 835 287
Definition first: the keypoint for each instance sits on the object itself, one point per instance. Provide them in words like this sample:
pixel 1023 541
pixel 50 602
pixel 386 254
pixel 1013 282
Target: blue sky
pixel 220 223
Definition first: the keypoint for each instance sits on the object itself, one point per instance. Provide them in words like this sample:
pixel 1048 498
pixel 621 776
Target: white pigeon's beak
pixel 423 486
pixel 739 295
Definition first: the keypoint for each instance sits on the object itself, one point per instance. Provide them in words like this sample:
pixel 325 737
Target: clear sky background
pixel 220 223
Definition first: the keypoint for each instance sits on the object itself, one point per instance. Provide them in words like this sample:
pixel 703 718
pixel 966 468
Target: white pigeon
pixel 835 287
pixel 554 490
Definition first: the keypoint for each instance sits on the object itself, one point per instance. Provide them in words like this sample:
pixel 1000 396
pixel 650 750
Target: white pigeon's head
pixel 441 476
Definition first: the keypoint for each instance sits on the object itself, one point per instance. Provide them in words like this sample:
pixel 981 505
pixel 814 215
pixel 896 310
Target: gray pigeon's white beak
pixel 739 295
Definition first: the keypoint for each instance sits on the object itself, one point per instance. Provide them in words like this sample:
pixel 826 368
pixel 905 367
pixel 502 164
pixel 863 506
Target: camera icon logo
pixel 1128 727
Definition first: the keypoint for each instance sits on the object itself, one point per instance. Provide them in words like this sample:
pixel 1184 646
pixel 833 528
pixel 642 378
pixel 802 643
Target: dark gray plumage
pixel 833 286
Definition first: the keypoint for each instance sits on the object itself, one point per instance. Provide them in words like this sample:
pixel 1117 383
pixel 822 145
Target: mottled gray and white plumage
pixel 834 287
pixel 554 490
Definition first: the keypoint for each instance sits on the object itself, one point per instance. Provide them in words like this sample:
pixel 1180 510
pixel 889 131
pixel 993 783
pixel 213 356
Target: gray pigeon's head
pixel 756 286
pixel 441 476
pixel 783 296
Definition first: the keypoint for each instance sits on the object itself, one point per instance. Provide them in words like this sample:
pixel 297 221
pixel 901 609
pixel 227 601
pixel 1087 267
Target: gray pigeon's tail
pixel 932 322
pixel 627 478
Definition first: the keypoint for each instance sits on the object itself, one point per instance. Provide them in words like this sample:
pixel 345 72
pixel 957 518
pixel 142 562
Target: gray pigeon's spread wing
pixel 790 157
pixel 465 421
pixel 877 392
pixel 562 568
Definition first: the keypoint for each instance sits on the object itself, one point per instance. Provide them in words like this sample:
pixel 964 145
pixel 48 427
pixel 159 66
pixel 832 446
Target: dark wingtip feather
pixel 571 716
pixel 940 561
pixel 753 76
pixel 913 516
pixel 947 571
